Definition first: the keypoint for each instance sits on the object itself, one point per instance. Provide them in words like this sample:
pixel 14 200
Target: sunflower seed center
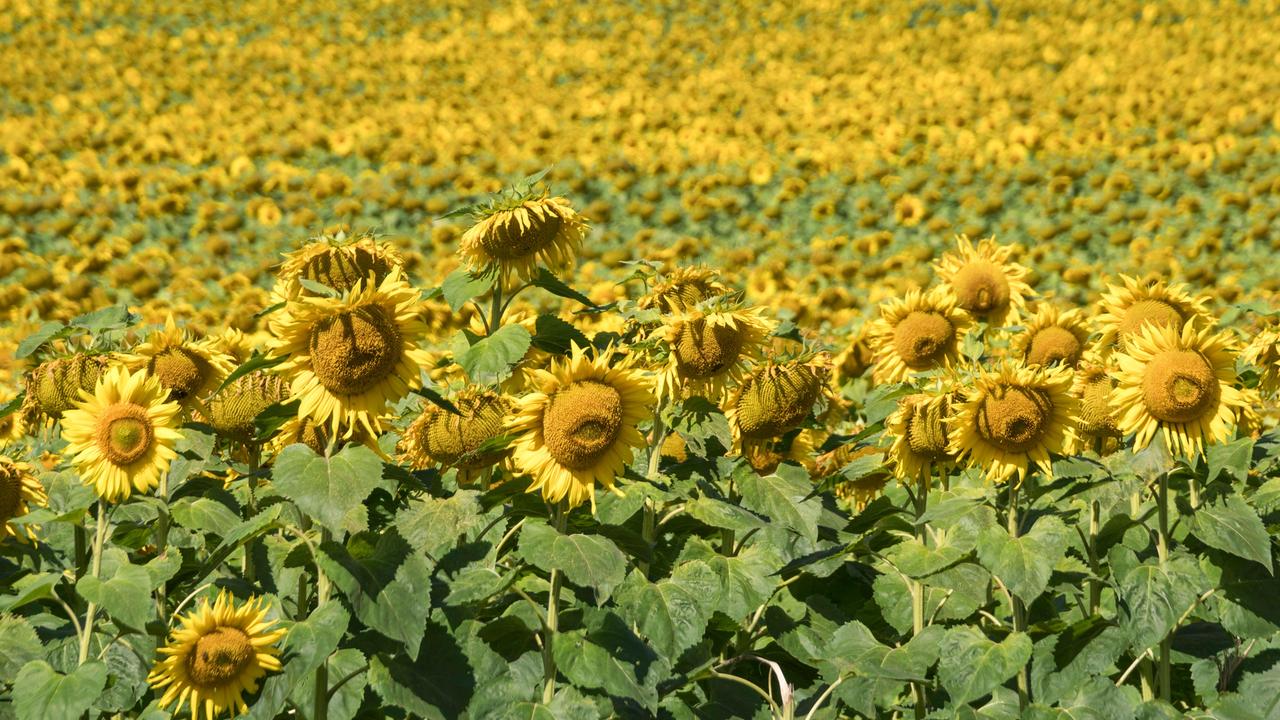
pixel 922 339
pixel 581 423
pixel 355 350
pixel 1180 386
pixel 1015 419
pixel 124 433
pixel 1153 312
pixel 1052 345
pixel 219 656
pixel 981 288
pixel 181 371
pixel 703 351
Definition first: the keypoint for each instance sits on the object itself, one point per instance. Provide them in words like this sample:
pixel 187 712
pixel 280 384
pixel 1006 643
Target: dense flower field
pixel 374 359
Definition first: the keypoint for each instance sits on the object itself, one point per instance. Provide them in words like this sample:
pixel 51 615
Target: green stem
pixel 559 518
pixel 82 550
pixel 99 539
pixel 321 707
pixel 921 499
pixel 726 536
pixel 162 544
pixel 1162 549
pixel 649 523
pixel 1095 583
pixel 495 304
pixel 251 508
pixel 1019 610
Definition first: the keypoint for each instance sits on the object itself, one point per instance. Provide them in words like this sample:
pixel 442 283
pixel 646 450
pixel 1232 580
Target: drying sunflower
pixel 983 281
pixel 1178 383
pixel 521 232
pixel 188 369
pixel 682 289
pixel 231 411
pixel 708 350
pixel 122 436
pixel 218 656
pixel 440 437
pixel 1011 417
pixel 1263 352
pixel 339 262
pixel 1131 305
pixel 1052 337
pixel 1093 387
pixel 919 332
pixel 774 399
pixel 919 431
pixel 19 490
pixel 348 356
pixel 580 428
pixel 54 386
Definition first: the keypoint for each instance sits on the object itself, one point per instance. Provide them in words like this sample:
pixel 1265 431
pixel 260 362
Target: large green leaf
pixel 1231 526
pixel 385 589
pixel 124 589
pixel 18 644
pixel 434 525
pixel 784 498
pixel 460 286
pixel 672 613
pixel 971 665
pixel 491 358
pixel 1154 596
pixel 585 560
pixel 1234 457
pixel 746 579
pixel 330 489
pixel 310 642
pixel 42 693
pixel 1024 564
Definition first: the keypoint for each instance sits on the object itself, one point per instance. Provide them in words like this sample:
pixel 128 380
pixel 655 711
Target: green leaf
pixel 256 361
pixel 720 514
pixel 273 417
pixel 31 588
pixel 437 399
pixel 1024 564
pixel 548 281
pixel 269 309
pixel 13 406
pixel 600 661
pixel 124 589
pixel 433 525
pixel 460 286
pixel 310 642
pixel 41 693
pixel 490 359
pixel 746 579
pixel 1234 457
pixel 47 332
pixel 672 613
pixel 18 644
pixel 555 336
pixel 318 288
pixel 329 489
pixel 1154 601
pixel 784 500
pixel 252 527
pixel 1231 526
pixel 385 588
pixel 917 560
pixel 397 687
pixel 585 560
pixel 971 665
pixel 107 318
pixel 204 515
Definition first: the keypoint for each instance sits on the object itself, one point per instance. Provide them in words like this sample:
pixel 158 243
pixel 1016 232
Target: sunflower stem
pixel 99 539
pixel 1095 582
pixel 321 706
pixel 251 507
pixel 559 517
pixel 82 550
pixel 1019 610
pixel 1162 549
pixel 921 502
pixel 649 525
pixel 162 543
pixel 495 305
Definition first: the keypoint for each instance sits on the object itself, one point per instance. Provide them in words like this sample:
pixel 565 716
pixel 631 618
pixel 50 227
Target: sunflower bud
pixel 232 410
pixel 777 398
pixel 56 384
pixel 439 436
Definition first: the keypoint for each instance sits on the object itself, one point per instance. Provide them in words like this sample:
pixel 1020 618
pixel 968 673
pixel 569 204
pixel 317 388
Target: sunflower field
pixel 368 359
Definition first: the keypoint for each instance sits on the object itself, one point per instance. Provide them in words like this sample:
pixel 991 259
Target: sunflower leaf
pixel 318 288
pixel 555 336
pixel 273 417
pixel 972 665
pixel 461 285
pixel 125 593
pixel 437 399
pixel 328 488
pixel 18 644
pixel 13 405
pixel 490 359
pixel 41 692
pixel 585 560
pixel 548 281
pixel 47 333
pixel 1024 564
pixel 1233 527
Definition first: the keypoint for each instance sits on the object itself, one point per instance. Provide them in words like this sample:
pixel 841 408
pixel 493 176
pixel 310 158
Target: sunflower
pixel 339 262
pixel 440 437
pixel 219 654
pixel 682 289
pixel 856 493
pixel 774 399
pixel 188 369
pixel 919 332
pixel 519 234
pixel 1263 352
pixel 765 457
pixel 1052 337
pixel 708 349
pixel 1178 383
pixel 919 431
pixel 983 281
pixel 19 489
pixel 122 435
pixel 1132 304
pixel 232 410
pixel 1093 387
pixel 855 359
pixel 351 355
pixel 54 386
pixel 1013 416
pixel 579 429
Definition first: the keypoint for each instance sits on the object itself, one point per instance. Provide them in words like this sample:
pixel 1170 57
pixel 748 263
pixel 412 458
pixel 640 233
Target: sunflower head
pixel 218 655
pixel 580 427
pixel 1263 352
pixel 919 430
pixel 55 385
pixel 682 289
pixel 438 436
pixel 855 359
pixel 983 281
pixel 1132 305
pixel 919 332
pixel 518 233
pixel 188 369
pixel 1178 382
pixel 765 457
pixel 19 490
pixel 122 436
pixel 339 261
pixel 1012 417
pixel 776 398
pixel 708 349
pixel 232 410
pixel 1052 337
pixel 1093 387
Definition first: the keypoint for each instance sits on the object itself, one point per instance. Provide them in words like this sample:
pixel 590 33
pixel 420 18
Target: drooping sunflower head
pixel 1128 307
pixel 217 657
pixel 919 431
pixel 708 350
pixel 517 235
pixel 19 490
pixel 54 386
pixel 347 357
pixel 1011 417
pixel 579 429
pixel 232 410
pixel 855 359
pixel 339 261
pixel 122 436
pixel 189 370
pixel 1093 386
pixel 774 398
pixel 919 332
pixel 682 289
pixel 1263 352
pixel 765 457
pixel 440 437
pixel 1052 337
pixel 1179 382
pixel 983 281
